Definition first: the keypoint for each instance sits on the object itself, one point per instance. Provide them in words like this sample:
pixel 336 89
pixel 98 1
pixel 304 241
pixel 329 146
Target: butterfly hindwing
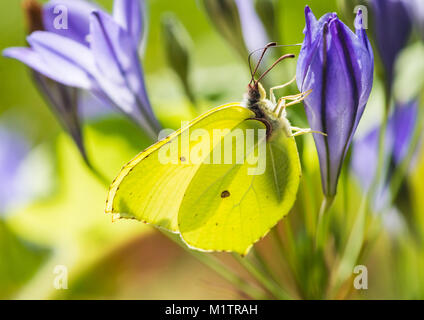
pixel 227 208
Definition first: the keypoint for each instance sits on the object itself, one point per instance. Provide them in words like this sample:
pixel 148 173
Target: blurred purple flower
pixel 402 126
pixel 398 138
pixel 416 9
pixel 108 66
pixel 254 32
pixel 392 28
pixel 238 22
pixel 13 149
pixel 337 65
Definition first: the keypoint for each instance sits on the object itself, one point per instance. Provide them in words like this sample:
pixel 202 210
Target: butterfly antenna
pixel 273 65
pixel 264 49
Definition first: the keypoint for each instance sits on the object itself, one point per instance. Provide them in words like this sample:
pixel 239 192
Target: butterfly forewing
pixel 151 187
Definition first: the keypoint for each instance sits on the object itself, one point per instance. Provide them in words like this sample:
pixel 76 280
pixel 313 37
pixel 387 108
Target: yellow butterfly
pixel 223 180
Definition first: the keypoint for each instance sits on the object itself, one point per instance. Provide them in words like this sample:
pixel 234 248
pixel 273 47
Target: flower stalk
pixel 320 234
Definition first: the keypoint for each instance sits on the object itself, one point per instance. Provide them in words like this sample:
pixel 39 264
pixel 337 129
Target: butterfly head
pixel 256 100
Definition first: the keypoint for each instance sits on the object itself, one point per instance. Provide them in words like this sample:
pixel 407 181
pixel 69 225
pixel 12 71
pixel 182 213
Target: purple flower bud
pixel 392 28
pixel 337 65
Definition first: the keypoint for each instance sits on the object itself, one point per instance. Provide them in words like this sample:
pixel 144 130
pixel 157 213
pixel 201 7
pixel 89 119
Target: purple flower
pixel 337 65
pixel 238 22
pixel 392 28
pixel 398 138
pixel 63 100
pixel 108 66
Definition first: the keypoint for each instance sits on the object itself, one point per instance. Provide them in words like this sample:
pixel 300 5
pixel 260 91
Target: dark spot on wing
pixel 225 194
pixel 182 159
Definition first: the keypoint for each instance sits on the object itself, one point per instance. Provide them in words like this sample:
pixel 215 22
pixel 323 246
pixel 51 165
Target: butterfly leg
pixel 271 91
pixel 295 99
pixel 280 107
pixel 302 131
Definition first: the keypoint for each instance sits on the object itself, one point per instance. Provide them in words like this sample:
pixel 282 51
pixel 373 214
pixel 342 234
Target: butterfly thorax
pixel 264 109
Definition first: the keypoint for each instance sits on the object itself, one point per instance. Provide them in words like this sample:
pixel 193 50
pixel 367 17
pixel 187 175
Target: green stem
pixel 189 93
pixel 352 250
pixel 326 204
pixel 287 258
pixel 264 265
pixel 273 288
pixel 217 266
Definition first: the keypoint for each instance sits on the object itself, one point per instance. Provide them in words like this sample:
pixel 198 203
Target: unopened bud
pixel 178 47
pixel 225 16
pixel 34 15
pixel 267 11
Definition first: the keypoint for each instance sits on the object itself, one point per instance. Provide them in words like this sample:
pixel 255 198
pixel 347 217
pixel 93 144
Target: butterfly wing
pixel 226 208
pixel 151 187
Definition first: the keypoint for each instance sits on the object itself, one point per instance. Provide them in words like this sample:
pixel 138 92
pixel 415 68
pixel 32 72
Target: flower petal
pixel 73 76
pixel 120 73
pixel 62 50
pixel 129 14
pixel 69 18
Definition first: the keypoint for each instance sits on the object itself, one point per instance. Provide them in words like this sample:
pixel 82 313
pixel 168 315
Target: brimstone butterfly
pixel 214 204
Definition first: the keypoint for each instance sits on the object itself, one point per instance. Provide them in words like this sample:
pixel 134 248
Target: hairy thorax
pixel 265 111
